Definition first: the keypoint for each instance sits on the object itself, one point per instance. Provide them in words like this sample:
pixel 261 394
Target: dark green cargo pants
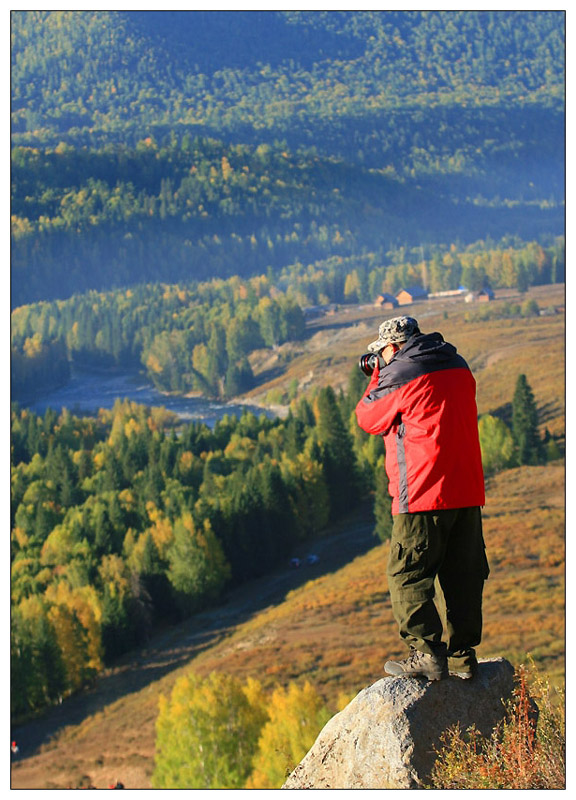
pixel 439 550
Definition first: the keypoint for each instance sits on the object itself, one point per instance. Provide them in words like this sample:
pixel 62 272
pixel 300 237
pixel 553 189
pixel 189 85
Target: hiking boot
pixel 419 665
pixel 465 672
pixel 464 666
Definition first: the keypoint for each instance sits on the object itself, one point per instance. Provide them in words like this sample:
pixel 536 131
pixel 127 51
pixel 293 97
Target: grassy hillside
pixel 497 350
pixel 336 630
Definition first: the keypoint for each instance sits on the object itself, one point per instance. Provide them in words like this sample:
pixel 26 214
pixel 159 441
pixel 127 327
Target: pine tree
pixel 525 424
pixel 239 378
pixel 338 454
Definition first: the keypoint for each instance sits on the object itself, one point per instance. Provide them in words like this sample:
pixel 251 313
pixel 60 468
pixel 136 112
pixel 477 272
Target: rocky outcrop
pixel 386 737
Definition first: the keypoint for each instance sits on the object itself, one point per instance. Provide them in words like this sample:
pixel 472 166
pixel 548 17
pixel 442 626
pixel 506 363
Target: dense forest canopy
pixel 99 70
pixel 190 145
pixel 119 524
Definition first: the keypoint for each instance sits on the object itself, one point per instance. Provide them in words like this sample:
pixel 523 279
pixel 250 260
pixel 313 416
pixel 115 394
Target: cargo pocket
pixel 417 558
pixel 395 559
pixel 408 557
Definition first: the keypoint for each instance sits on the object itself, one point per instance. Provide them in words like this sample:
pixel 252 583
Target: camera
pixel 368 363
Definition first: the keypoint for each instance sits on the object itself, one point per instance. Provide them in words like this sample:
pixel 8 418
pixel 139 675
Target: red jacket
pixel 424 405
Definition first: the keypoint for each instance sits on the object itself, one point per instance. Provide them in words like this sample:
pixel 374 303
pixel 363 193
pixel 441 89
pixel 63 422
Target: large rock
pixel 386 737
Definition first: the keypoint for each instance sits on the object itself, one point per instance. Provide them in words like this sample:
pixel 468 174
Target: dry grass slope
pixel 497 350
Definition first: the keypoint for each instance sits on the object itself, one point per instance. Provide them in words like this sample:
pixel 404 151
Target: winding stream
pixel 87 391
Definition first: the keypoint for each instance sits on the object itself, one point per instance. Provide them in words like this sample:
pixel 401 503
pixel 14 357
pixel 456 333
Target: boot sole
pixel 431 676
pixel 434 676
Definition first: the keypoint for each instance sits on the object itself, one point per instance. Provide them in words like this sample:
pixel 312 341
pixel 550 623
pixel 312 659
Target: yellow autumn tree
pixel 296 717
pixel 75 615
pixel 352 287
pixel 207 733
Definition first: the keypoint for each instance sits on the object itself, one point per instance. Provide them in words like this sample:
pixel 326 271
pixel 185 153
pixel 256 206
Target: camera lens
pixel 368 363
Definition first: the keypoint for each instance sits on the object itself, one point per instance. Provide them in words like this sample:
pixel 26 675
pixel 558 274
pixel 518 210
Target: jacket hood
pixel 426 345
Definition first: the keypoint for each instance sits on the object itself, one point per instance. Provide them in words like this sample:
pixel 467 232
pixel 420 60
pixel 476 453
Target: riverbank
pixel 88 391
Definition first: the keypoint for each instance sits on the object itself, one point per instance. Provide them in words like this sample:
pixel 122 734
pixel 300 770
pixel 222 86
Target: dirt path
pixel 107 733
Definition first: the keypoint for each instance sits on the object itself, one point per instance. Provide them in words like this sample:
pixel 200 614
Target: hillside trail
pixel 69 735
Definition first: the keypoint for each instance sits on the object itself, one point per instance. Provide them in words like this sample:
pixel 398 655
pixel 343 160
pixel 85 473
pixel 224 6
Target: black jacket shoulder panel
pixel 421 355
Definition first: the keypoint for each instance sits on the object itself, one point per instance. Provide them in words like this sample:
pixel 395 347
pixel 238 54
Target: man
pixel 422 400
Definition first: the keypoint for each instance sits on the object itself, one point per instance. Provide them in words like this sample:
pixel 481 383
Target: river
pixel 87 391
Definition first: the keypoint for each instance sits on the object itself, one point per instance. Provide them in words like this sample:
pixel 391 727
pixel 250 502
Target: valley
pixel 205 208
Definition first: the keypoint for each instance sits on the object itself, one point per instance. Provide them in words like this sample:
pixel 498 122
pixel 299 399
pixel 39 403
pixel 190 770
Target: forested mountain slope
pixel 107 72
pixel 185 145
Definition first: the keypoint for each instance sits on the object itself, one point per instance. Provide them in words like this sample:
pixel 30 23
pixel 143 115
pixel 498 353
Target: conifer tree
pixel 525 424
pixel 239 377
pixel 339 460
pixel 382 503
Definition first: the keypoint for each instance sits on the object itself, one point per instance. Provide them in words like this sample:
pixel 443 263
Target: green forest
pixel 147 148
pixel 198 337
pixel 124 522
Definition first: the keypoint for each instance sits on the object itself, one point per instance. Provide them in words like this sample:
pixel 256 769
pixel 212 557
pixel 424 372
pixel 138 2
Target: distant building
pixel 386 301
pixel 483 296
pixel 449 293
pixel 411 295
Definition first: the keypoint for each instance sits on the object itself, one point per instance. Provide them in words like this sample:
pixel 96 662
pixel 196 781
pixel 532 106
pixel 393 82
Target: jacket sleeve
pixel 378 410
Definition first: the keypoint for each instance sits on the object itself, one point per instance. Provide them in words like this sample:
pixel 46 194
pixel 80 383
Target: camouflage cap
pixel 393 331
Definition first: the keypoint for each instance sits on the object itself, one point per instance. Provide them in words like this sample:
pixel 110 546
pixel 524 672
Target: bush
pixel 496 443
pixel 524 752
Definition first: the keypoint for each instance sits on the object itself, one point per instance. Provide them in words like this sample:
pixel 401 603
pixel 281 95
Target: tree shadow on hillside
pixel 546 412
pixel 270 374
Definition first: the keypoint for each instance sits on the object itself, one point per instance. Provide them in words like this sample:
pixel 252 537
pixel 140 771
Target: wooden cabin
pixel 411 295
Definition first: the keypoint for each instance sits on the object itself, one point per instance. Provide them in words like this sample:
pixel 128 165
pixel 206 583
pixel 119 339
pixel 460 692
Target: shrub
pixel 496 443
pixel 526 751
